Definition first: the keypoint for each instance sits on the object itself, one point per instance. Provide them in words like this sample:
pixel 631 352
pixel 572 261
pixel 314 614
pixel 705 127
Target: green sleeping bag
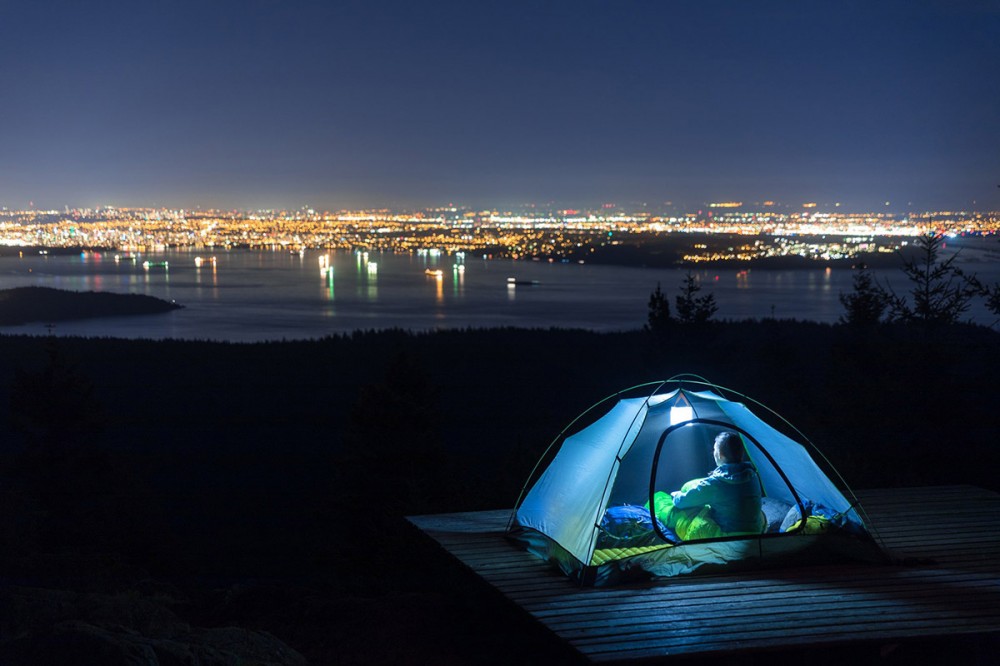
pixel 688 524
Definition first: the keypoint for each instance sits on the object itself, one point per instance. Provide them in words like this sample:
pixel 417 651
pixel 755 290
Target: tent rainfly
pixel 597 510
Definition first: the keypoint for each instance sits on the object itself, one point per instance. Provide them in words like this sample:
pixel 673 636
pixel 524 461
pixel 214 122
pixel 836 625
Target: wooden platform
pixel 958 527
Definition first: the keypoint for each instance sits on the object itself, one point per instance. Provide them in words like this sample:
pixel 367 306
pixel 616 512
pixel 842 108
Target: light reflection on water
pixel 247 295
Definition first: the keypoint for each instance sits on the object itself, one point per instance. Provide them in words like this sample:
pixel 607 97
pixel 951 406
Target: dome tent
pixel 595 511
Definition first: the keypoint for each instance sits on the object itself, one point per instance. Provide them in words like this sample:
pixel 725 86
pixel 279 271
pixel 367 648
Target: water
pixel 251 295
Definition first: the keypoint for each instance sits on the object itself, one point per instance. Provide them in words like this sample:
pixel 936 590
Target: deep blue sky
pixel 277 103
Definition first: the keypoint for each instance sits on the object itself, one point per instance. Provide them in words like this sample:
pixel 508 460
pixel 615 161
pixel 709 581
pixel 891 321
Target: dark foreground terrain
pixel 192 502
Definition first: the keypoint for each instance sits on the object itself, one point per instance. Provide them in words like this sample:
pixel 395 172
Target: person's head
pixel 728 448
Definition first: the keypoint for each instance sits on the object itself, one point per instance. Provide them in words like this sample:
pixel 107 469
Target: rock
pixel 81 644
pixel 42 626
pixel 254 647
pixel 29 610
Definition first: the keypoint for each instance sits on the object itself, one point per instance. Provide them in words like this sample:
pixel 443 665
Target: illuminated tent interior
pixel 596 509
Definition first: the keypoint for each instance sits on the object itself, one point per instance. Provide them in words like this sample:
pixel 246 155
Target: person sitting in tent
pixel 726 502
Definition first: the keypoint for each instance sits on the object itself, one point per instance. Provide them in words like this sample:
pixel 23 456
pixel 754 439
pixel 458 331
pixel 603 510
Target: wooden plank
pixel 800 593
pixel 706 643
pixel 832 601
pixel 692 637
pixel 826 602
pixel 954 592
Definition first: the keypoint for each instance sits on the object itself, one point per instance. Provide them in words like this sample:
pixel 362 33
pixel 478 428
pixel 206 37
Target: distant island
pixel 734 251
pixel 23 305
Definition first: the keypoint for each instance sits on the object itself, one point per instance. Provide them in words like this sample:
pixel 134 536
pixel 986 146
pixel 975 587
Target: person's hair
pixel 730 447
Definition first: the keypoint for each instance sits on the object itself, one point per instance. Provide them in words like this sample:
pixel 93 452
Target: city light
pixel 817 231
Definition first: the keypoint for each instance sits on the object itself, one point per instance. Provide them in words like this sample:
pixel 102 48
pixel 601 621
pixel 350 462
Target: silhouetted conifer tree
pixel 87 501
pixel 867 303
pixel 993 298
pixel 693 309
pixel 393 439
pixel 56 407
pixel 941 292
pixel 659 319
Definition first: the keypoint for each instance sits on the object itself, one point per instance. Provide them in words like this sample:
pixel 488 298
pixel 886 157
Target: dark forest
pixel 181 490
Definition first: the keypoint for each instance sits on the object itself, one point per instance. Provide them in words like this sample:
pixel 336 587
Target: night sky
pixel 284 104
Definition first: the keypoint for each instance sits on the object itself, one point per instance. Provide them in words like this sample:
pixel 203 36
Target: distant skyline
pixel 334 105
